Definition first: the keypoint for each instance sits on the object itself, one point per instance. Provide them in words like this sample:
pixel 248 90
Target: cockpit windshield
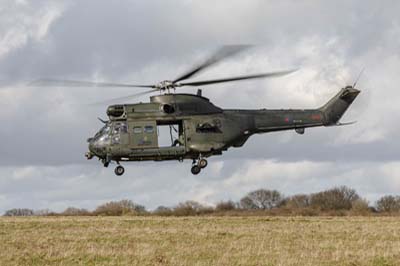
pixel 104 131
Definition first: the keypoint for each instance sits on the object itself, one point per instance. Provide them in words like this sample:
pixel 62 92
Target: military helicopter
pixel 198 128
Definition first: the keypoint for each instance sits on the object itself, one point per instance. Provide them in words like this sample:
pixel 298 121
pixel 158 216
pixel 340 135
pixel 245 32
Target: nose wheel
pixel 198 165
pixel 202 163
pixel 119 170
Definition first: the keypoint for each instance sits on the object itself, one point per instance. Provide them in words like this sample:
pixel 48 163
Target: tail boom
pixel 327 115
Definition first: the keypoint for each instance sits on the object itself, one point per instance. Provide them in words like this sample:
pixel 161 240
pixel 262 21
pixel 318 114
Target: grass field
pixel 199 241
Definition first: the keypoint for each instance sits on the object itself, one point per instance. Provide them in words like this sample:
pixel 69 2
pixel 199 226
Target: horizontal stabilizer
pixel 343 124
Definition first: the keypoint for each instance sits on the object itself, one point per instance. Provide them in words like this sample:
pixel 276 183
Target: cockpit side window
pixel 120 127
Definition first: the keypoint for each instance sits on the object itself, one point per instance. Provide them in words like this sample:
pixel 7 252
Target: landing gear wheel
pixel 203 163
pixel 195 169
pixel 119 170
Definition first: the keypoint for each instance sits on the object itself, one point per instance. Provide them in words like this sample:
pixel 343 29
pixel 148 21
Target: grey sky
pixel 44 129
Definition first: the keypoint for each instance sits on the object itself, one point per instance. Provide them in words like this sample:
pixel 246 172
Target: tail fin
pixel 338 105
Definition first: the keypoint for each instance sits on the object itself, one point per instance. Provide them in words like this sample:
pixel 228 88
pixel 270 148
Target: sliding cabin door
pixel 143 134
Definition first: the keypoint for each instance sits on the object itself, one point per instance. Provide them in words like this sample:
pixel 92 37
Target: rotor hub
pixel 166 85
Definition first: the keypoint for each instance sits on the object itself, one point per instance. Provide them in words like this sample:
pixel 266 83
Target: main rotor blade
pixel 125 97
pixel 222 53
pixel 255 76
pixel 74 83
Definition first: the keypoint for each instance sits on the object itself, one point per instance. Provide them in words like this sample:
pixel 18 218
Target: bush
pixel 71 211
pixel 388 204
pixel 44 212
pixel 308 212
pixel 226 206
pixel 300 201
pixel 118 208
pixel 261 199
pixel 360 206
pixel 162 210
pixel 191 208
pixel 340 198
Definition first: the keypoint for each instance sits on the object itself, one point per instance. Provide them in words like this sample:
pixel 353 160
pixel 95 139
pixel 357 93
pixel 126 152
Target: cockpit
pixel 123 137
pixel 110 133
pixel 101 139
pixel 103 134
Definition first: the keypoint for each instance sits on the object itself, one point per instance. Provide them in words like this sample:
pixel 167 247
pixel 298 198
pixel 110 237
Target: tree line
pixel 338 201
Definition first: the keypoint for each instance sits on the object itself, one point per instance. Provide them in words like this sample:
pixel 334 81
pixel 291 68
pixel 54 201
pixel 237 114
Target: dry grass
pixel 200 241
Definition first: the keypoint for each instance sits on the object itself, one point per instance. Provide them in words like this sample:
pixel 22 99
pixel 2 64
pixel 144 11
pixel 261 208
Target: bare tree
pixel 19 212
pixel 339 198
pixel 261 199
pixel 388 204
pixel 248 204
pixel 117 208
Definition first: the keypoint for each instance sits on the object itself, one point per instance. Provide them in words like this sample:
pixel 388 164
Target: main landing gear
pixel 197 165
pixel 119 170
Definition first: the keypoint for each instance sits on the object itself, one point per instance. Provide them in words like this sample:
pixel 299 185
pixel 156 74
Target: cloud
pixel 22 22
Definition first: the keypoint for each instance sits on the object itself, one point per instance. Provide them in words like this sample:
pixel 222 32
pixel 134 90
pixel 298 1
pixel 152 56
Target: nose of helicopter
pixel 91 144
pixel 92 150
pixel 96 147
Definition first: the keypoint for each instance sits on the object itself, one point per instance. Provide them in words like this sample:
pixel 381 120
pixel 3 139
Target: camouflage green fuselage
pixel 203 129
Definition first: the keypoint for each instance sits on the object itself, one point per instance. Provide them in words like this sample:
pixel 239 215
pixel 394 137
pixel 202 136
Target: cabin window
pixel 137 130
pixel 149 129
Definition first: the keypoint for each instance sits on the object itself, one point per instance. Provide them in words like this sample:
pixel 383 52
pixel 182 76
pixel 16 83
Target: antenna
pixel 358 78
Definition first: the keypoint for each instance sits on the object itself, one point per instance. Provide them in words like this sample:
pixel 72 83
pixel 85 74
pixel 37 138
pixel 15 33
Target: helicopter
pixel 198 128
